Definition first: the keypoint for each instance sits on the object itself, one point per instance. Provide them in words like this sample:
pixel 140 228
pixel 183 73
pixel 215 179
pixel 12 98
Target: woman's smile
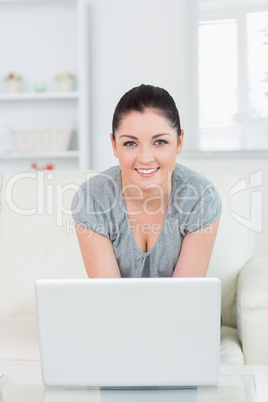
pixel 147 172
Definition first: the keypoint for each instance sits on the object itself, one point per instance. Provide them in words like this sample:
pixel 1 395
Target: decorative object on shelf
pixel 65 82
pixel 13 82
pixel 42 140
pixel 40 87
pixel 48 166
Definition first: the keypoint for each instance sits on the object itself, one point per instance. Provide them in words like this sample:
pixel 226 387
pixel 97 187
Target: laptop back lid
pixel 129 332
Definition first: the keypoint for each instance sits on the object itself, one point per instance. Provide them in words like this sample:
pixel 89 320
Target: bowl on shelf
pixel 43 139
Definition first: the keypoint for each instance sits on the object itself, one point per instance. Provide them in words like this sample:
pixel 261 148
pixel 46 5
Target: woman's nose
pixel 145 155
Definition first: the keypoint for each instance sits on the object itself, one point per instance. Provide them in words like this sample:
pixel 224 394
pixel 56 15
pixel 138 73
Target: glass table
pixel 237 388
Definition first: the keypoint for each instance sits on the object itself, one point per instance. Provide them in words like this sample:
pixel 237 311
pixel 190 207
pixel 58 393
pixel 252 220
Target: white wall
pixel 134 42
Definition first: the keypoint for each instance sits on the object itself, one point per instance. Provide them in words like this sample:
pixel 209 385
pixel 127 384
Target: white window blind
pixel 232 74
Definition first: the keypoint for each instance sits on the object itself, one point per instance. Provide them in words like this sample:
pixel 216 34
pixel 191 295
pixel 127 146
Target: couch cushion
pixel 37 236
pixel 231 352
pixel 234 244
pixel 252 307
pixel 19 339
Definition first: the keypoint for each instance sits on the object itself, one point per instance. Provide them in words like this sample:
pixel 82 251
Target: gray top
pixel 99 205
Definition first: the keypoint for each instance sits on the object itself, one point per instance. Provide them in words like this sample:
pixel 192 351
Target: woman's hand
pixel 196 251
pixel 98 254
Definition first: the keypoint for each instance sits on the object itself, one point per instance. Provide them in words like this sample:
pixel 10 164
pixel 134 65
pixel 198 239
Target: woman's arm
pixel 196 251
pixel 98 254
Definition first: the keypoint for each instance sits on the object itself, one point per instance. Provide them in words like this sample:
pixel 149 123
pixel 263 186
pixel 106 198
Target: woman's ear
pixel 180 142
pixel 113 145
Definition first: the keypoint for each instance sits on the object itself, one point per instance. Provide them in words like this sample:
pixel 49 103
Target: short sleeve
pixel 205 211
pixel 87 213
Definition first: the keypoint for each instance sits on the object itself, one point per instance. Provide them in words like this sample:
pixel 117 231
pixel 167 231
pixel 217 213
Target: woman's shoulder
pixel 107 180
pixel 99 190
pixel 96 197
pixel 185 175
pixel 192 187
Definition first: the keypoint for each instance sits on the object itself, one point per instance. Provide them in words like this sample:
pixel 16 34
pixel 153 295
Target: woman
pixel 148 217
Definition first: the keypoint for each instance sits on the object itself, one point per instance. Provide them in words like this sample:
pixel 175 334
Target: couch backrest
pixel 235 240
pixel 37 236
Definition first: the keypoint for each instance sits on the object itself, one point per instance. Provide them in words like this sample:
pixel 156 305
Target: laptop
pixel 129 332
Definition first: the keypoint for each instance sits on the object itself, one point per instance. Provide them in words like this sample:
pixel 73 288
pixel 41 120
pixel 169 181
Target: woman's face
pixel 146 146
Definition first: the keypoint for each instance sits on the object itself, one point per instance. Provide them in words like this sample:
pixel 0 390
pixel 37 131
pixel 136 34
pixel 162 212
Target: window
pixel 233 76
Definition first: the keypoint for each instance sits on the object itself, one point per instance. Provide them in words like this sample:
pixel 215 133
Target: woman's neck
pixel 151 200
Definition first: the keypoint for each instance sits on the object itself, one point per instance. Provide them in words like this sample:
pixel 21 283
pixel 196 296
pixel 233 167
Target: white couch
pixel 37 240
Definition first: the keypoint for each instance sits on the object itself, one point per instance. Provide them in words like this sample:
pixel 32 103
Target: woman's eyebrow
pixel 129 136
pixel 135 138
pixel 160 135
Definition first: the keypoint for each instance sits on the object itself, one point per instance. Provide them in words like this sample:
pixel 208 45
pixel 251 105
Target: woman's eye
pixel 160 142
pixel 130 144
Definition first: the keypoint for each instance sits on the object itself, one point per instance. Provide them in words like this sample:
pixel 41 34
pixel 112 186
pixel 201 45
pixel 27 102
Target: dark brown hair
pixel 144 97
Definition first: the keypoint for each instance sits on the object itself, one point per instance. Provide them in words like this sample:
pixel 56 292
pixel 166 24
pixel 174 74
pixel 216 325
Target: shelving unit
pixel 51 37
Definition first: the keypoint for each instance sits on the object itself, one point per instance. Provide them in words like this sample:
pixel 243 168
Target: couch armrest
pixel 252 310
